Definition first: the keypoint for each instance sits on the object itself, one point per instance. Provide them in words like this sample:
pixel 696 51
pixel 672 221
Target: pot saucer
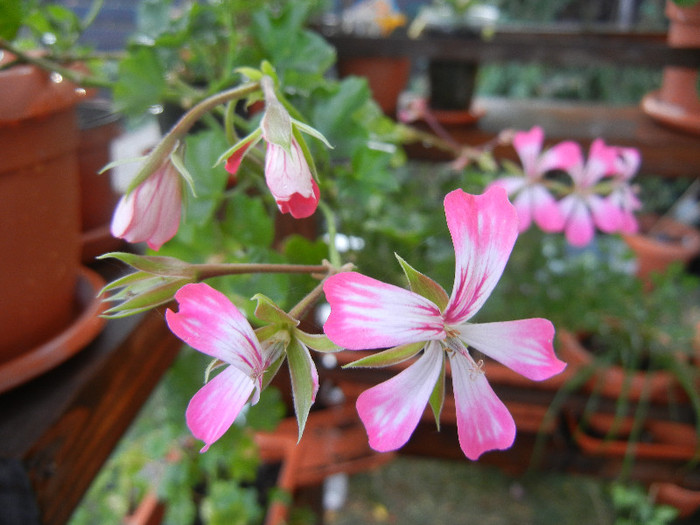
pixel 670 114
pixel 86 324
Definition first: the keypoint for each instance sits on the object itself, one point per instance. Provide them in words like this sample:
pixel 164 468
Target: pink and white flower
pixel 623 195
pixel 584 209
pixel 151 211
pixel 288 174
pixel 210 323
pixel 369 314
pixel 531 197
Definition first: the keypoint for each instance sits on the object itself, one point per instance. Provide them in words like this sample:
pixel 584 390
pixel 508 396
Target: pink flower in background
pixel 531 197
pixel 623 195
pixel 583 208
pixel 151 212
pixel 369 314
pixel 210 323
pixel 290 180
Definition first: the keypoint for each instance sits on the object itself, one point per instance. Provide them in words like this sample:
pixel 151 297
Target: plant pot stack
pixel 39 208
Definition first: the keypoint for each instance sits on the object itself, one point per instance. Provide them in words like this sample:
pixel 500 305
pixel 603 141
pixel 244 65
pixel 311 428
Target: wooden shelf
pixel 57 430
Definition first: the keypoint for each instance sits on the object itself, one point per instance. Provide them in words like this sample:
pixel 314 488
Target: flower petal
pixel 545 211
pixel 299 206
pixel 217 404
pixel 484 229
pixel 367 314
pixel 528 145
pixel 287 172
pixel 151 212
pixel 561 156
pixel 391 410
pixel 579 224
pixel 210 323
pixel 483 421
pixel 525 346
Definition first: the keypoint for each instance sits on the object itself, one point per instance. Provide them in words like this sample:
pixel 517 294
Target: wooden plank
pixel 553 46
pixel 62 426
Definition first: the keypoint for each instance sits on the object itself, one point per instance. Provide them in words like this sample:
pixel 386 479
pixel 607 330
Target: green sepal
pixel 178 161
pixel 300 369
pixel 213 365
pixel 276 123
pixel 120 162
pixel 153 264
pixel 437 397
pixel 255 75
pixel 301 126
pixel 144 295
pixel 272 370
pixel 266 332
pixel 268 311
pixel 389 357
pixel 306 152
pixel 246 142
pixel 317 342
pixel 424 285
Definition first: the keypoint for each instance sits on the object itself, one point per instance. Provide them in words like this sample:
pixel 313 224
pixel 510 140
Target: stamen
pixel 477 369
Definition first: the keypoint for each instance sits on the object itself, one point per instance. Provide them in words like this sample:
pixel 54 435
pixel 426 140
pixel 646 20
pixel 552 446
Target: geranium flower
pixel 287 171
pixel 623 195
pixel 530 195
pixel 210 323
pixel 583 208
pixel 369 314
pixel 151 211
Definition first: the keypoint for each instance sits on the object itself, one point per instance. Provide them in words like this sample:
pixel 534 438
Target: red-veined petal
pixel 483 229
pixel 483 421
pixel 391 410
pixel 367 313
pixel 210 323
pixel 525 346
pixel 214 408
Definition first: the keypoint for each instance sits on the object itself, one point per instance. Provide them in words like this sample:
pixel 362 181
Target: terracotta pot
pixel 39 207
pixel 662 242
pixel 677 103
pixel 99 126
pixel 686 501
pixel 387 77
pixel 609 381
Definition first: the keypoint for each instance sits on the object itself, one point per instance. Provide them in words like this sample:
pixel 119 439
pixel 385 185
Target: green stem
pixel 207 271
pixel 170 141
pixel 76 77
pixel 304 306
pixel 333 254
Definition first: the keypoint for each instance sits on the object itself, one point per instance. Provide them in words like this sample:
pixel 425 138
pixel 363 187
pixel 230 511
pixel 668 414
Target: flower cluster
pixel 423 323
pixel 561 192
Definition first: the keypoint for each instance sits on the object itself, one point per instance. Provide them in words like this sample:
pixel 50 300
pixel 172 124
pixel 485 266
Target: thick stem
pixel 207 271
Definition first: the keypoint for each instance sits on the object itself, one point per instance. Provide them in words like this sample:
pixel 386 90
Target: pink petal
pixel 523 207
pixel 301 207
pixel 367 314
pixel 210 323
pixel 151 212
pixel 627 162
pixel 512 185
pixel 217 404
pixel 525 346
pixel 601 161
pixel 579 228
pixel 287 173
pixel 528 145
pixel 483 229
pixel 561 156
pixel 483 421
pixel 606 215
pixel 391 410
pixel 545 210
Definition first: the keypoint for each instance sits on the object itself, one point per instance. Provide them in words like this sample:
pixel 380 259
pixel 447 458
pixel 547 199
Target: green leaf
pixel 389 357
pixel 268 311
pixel 11 14
pixel 437 397
pixel 300 369
pixel 424 285
pixel 247 221
pixel 140 82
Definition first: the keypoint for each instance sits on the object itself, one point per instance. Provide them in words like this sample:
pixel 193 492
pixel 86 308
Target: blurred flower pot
pixel 98 126
pixel 662 242
pixel 387 77
pixel 39 207
pixel 677 103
